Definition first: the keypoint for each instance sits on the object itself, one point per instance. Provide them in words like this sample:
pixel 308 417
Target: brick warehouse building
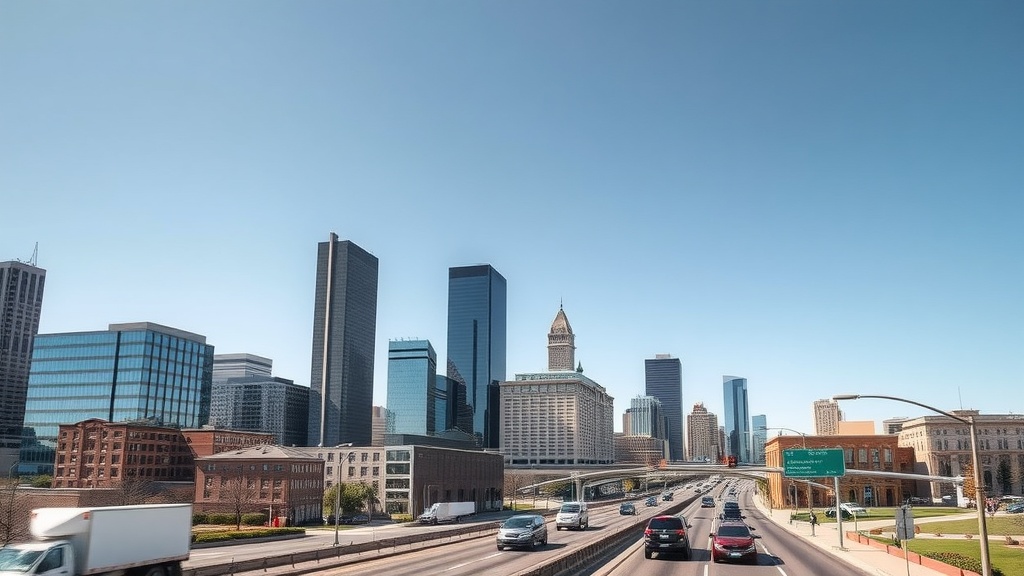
pixel 868 452
pixel 262 478
pixel 95 453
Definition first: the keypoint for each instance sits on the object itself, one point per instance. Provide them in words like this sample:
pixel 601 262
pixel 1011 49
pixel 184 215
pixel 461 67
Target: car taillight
pixel 680 532
pixel 647 531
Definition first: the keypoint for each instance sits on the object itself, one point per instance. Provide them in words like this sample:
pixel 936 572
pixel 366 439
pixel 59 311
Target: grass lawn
pixel 1008 559
pixel 998 526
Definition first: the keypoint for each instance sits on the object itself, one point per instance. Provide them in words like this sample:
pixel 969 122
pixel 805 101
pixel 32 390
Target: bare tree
pixel 238 492
pixel 514 481
pixel 13 513
pixel 132 490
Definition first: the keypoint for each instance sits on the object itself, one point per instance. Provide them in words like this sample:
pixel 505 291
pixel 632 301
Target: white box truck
pixel 148 540
pixel 447 512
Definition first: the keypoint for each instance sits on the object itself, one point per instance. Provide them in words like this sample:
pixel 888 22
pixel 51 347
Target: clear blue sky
pixel 822 197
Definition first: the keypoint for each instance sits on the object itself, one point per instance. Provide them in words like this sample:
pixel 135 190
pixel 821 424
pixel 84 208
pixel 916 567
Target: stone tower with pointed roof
pixel 561 344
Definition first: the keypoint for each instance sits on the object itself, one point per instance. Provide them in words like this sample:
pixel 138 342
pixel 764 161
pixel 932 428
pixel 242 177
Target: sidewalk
pixel 826 536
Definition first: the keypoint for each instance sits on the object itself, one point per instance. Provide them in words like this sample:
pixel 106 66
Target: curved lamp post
pixel 986 562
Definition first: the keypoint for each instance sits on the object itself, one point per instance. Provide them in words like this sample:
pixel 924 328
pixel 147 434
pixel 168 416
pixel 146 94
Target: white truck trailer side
pixel 145 540
pixel 447 512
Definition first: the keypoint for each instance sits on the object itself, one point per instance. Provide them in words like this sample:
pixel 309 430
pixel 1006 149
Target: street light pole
pixel 337 490
pixel 986 561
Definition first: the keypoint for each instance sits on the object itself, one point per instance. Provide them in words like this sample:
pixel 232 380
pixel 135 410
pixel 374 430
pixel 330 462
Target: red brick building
pixel 261 478
pixel 210 441
pixel 864 452
pixel 95 453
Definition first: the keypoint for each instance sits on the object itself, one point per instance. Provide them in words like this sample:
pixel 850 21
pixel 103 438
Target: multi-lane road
pixel 779 552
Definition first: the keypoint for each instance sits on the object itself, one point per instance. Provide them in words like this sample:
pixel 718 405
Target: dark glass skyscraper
pixel 476 344
pixel 139 372
pixel 21 302
pixel 663 376
pixel 344 330
pixel 412 388
pixel 737 418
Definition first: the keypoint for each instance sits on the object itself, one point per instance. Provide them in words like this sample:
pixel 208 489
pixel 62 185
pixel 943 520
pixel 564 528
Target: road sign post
pixel 813 463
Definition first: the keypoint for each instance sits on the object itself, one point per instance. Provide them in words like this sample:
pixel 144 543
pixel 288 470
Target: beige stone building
pixel 642 450
pixel 702 435
pixel 352 464
pixel 561 344
pixel 942 447
pixel 826 417
pixel 553 418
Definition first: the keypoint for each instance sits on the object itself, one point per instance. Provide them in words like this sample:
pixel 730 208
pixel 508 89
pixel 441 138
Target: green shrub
pixel 224 535
pixel 199 518
pixel 402 517
pixel 962 562
pixel 221 518
pixel 254 519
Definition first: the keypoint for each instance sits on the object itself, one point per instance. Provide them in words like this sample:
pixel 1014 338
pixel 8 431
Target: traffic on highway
pixel 676 536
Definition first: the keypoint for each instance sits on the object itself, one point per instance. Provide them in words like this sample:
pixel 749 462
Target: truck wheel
pixel 154 571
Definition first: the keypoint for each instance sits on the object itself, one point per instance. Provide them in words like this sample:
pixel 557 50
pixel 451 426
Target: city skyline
pixel 827 203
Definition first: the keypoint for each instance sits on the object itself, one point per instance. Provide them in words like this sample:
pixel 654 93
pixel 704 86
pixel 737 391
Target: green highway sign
pixel 813 463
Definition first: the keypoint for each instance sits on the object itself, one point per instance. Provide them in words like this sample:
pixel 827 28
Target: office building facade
pixel 759 433
pixel 827 416
pixel 413 399
pixel 553 418
pixel 476 345
pixel 703 444
pixel 663 378
pixel 737 418
pixel 138 372
pixel 21 303
pixel 246 397
pixel 647 418
pixel 344 333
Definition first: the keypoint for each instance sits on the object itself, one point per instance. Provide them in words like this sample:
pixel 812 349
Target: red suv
pixel 667 535
pixel 733 542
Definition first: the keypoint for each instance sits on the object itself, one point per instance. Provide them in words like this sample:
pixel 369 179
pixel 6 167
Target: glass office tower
pixel 476 344
pixel 21 302
pixel 760 434
pixel 663 376
pixel 737 419
pixel 344 333
pixel 412 388
pixel 139 372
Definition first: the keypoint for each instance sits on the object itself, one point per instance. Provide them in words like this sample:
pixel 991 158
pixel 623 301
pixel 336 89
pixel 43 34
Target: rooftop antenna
pixel 961 397
pixel 35 257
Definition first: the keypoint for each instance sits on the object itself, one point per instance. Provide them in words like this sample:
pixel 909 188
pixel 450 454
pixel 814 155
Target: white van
pixel 572 515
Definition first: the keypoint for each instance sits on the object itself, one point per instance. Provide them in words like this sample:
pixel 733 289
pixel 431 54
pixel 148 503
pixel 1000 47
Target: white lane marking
pixel 471 562
pixel 781 571
pixel 705 570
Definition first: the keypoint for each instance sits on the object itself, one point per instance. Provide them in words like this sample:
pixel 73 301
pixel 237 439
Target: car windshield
pixel 14 560
pixel 736 531
pixel 570 508
pixel 518 522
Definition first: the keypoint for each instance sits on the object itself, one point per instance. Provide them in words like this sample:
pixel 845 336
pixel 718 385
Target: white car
pixel 853 508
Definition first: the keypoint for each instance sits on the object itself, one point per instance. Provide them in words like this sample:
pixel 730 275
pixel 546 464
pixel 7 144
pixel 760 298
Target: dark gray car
pixel 523 531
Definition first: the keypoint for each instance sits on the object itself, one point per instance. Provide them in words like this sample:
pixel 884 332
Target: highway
pixel 780 553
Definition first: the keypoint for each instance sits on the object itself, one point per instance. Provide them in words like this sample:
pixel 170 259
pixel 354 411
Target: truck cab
pixel 38 559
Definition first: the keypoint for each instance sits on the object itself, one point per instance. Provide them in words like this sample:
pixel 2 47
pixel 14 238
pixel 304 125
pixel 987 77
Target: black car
pixel 731 514
pixel 667 535
pixel 627 509
pixel 651 501
pixel 707 502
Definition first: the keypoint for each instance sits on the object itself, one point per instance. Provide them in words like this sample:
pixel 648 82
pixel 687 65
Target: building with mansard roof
pixel 560 416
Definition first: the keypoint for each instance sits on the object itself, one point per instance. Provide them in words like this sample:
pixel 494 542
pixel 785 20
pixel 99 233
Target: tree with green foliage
pixel 41 481
pixel 354 497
